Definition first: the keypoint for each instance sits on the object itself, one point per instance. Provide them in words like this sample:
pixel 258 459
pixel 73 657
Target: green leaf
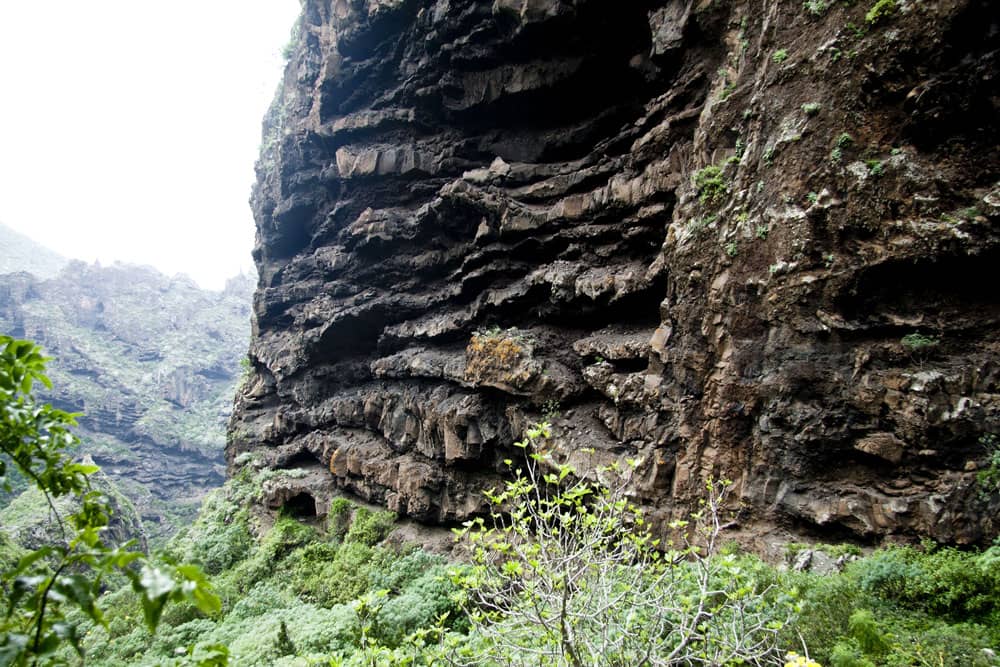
pixel 12 647
pixel 152 611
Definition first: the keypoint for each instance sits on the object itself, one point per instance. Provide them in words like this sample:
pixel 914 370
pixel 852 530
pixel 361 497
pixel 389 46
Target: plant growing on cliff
pixel 917 343
pixel 566 572
pixel 710 184
pixel 817 7
pixel 495 353
pixel 46 589
pixel 989 477
pixel 880 10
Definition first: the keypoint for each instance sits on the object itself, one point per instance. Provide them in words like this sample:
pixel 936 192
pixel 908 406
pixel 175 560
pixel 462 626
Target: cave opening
pixel 301 506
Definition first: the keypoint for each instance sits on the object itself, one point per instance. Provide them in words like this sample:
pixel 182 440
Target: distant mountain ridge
pixel 20 253
pixel 151 361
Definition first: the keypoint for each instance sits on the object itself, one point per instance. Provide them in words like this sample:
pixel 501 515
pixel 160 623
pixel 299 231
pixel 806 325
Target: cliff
pixel 151 362
pixel 755 240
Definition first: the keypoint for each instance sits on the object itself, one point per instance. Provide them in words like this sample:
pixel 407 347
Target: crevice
pixel 301 506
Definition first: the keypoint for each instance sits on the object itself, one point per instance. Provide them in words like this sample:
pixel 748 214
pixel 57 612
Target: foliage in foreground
pixel 336 595
pixel 45 591
pixel 567 573
pixel 302 594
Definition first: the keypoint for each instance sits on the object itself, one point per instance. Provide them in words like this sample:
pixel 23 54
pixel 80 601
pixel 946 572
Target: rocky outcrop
pixel 755 240
pixel 152 364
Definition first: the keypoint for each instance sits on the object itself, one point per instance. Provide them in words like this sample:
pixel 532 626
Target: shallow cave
pixel 301 506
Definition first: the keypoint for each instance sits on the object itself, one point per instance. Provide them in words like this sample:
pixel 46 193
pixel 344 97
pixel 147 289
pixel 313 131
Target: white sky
pixel 129 128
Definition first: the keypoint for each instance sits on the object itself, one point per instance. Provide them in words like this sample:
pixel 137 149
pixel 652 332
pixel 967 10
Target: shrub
pixel 710 184
pixel 880 10
pixel 369 527
pixel 567 572
pixel 918 343
pixel 420 605
pixel 943 582
pixel 989 477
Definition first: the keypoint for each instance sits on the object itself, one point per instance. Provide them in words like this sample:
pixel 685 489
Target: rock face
pixel 756 240
pixel 152 362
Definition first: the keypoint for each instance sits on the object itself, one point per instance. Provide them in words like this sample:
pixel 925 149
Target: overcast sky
pixel 129 128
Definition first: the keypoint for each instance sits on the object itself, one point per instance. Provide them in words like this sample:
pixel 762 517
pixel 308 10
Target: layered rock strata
pixel 755 240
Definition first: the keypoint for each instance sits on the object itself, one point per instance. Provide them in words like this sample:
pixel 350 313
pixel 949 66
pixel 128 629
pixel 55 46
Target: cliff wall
pixel 756 240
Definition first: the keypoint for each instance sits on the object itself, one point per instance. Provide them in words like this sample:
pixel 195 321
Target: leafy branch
pixel 39 591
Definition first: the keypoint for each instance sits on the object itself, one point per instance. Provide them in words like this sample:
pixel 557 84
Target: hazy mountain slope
pixel 152 363
pixel 19 253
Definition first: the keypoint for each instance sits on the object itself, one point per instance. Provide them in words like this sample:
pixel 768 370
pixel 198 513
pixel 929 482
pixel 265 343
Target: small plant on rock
pixel 880 10
pixel 989 477
pixel 918 343
pixel 711 184
pixel 817 7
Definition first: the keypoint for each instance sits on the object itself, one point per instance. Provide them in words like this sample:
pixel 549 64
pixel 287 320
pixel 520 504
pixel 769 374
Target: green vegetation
pixel 880 10
pixel 918 343
pixel 875 167
pixel 904 606
pixel 49 592
pixel 711 184
pixel 811 108
pixel 817 7
pixel 572 576
pixel 989 477
pixel 843 141
pixel 779 56
pixel 302 592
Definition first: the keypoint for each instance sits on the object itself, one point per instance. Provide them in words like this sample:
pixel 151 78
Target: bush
pixel 943 582
pixel 710 184
pixel 567 572
pixel 369 527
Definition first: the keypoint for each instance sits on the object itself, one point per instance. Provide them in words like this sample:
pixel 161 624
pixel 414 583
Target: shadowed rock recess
pixel 703 233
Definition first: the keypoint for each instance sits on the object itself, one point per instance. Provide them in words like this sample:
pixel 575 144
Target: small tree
pixel 40 590
pixel 566 572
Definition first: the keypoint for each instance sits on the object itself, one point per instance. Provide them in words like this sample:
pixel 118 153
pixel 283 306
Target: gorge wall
pixel 756 240
pixel 151 362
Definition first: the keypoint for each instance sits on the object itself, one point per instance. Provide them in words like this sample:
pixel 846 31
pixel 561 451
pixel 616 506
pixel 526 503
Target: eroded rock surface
pixel 696 232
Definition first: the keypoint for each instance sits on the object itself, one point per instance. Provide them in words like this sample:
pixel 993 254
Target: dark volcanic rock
pixel 698 231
